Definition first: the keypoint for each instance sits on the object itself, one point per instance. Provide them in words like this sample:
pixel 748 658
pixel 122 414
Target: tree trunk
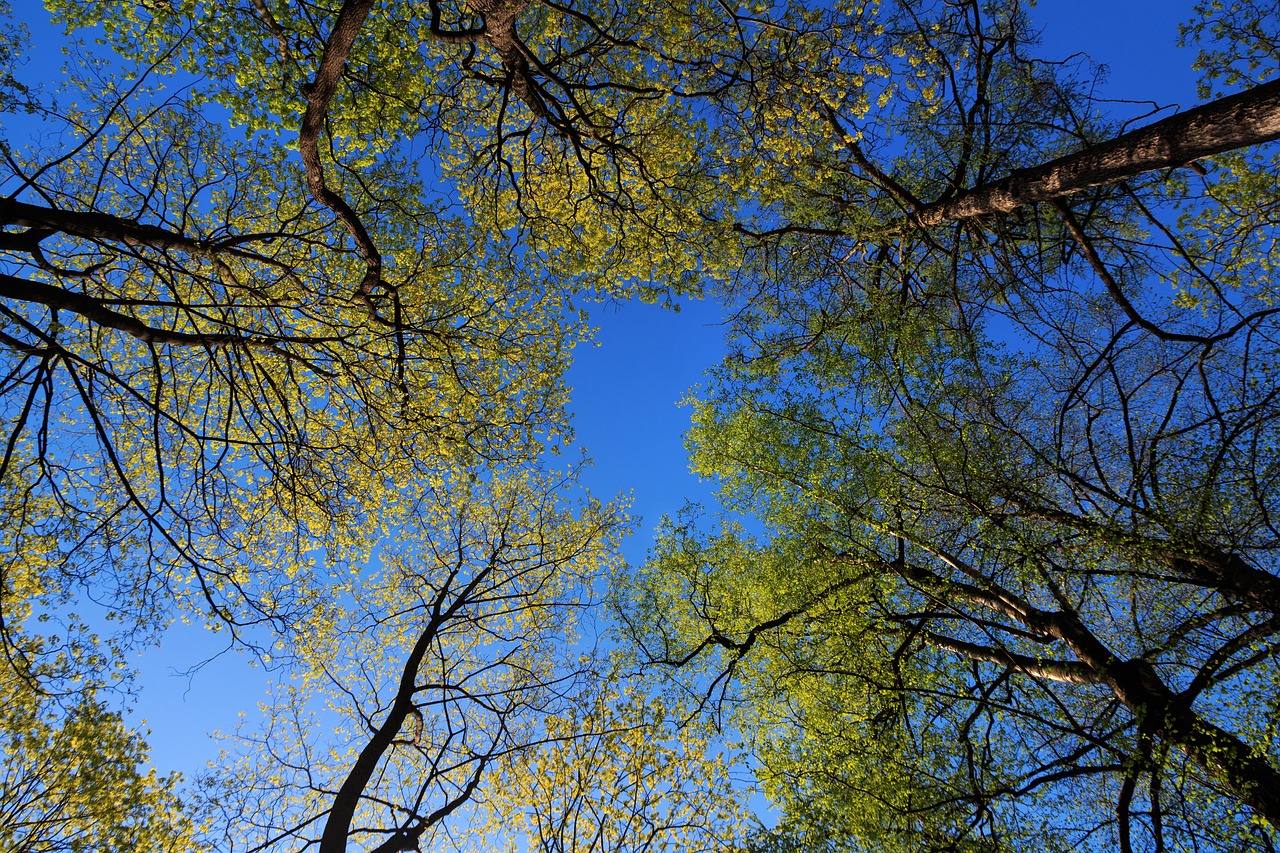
pixel 1247 118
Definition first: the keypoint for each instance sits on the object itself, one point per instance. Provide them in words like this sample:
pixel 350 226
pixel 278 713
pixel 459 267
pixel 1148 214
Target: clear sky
pixel 647 358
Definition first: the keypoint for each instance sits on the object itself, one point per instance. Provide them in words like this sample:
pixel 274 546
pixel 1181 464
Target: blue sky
pixel 647 358
pixel 626 388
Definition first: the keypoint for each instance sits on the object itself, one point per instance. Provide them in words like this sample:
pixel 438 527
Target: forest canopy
pixel 288 292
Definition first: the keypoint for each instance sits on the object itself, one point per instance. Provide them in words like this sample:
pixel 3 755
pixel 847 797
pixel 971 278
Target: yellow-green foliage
pixel 73 774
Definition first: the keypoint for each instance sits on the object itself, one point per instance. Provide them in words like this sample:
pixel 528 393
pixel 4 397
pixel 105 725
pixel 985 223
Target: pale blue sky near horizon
pixel 626 388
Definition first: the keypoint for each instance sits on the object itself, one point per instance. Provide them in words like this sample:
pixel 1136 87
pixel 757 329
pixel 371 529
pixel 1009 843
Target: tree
pixel 306 403
pixel 195 380
pixel 251 349
pixel 225 386
pixel 572 126
pixel 1009 444
pixel 71 769
pixel 71 781
pixel 469 695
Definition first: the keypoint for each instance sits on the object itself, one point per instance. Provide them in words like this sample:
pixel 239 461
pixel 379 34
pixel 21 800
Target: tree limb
pixel 1247 118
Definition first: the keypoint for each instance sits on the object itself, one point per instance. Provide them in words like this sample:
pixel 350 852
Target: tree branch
pixel 95 311
pixel 1247 118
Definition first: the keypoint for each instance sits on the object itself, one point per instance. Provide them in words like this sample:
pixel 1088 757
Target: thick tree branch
pixel 96 312
pixel 337 827
pixel 90 225
pixel 277 31
pixel 320 92
pixel 467 36
pixel 1135 683
pixel 1203 565
pixel 44 222
pixel 1247 118
pixel 1069 672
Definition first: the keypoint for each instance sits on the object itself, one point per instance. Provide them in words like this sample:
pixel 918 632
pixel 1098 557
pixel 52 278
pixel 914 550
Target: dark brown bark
pixel 97 226
pixel 89 225
pixel 1226 758
pixel 1222 755
pixel 101 314
pixel 1229 574
pixel 1247 118
pixel 96 312
pixel 320 92
pixel 498 30
pixel 1219 753
pixel 337 828
pixel 500 33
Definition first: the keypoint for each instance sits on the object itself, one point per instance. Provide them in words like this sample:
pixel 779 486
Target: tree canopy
pixel 287 295
pixel 1003 412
